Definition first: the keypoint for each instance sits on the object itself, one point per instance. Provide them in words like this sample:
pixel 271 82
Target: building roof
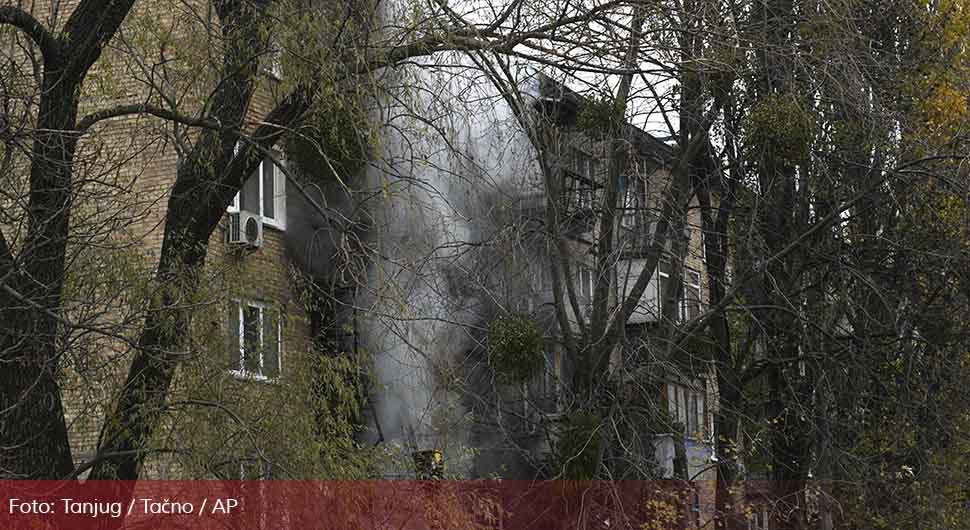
pixel 564 105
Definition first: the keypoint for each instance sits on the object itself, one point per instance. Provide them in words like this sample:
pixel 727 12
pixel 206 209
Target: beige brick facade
pixel 125 170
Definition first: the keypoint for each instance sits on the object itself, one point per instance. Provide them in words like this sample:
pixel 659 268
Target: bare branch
pixel 141 108
pixel 92 24
pixel 48 44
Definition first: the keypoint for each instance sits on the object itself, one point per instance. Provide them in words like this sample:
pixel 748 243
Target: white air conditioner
pixel 245 229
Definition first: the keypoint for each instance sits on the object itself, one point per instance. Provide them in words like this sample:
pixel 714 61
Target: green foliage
pixel 515 348
pixel 338 398
pixel 300 425
pixel 778 127
pixel 847 135
pixel 663 509
pixel 333 136
pixel 578 446
pixel 337 394
pixel 598 116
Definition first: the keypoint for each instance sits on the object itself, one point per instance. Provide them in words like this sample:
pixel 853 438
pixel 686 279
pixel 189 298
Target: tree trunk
pixel 206 182
pixel 33 434
pixel 126 434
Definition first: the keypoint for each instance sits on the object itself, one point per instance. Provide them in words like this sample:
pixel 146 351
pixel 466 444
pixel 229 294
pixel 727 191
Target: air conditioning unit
pixel 245 229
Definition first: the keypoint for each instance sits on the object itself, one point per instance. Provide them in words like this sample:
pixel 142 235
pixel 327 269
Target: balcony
pixel 700 456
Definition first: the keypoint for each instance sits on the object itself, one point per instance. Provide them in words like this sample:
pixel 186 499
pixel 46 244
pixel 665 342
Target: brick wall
pixel 125 170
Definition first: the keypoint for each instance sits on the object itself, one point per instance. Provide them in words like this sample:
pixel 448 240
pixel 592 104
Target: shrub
pixel 515 348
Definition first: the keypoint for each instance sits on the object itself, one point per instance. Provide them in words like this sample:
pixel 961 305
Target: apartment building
pixel 253 337
pixel 685 384
pixel 519 435
pixel 252 331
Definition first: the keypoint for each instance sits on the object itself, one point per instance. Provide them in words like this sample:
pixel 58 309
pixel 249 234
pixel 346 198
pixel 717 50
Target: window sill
pixel 272 75
pixel 274 226
pixel 250 376
pixel 554 416
pixel 279 227
pixel 698 439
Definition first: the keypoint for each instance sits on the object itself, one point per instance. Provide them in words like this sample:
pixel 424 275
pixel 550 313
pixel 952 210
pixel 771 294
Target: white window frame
pixel 583 167
pixel 758 520
pixel 546 385
pixel 680 397
pixel 240 371
pixel 273 62
pixel 587 283
pixel 629 217
pixel 696 288
pixel 661 281
pixel 279 199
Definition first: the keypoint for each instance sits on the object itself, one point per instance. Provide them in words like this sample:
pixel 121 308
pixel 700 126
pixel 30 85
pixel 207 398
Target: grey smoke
pixel 429 202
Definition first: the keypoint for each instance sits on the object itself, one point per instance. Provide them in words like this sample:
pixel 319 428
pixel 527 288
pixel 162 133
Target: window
pixel 690 302
pixel 687 405
pixel 579 194
pixel 264 194
pixel 586 283
pixel 695 509
pixel 551 374
pixel 583 164
pixel 543 395
pixel 530 288
pixel 636 213
pixel 690 297
pixel 630 206
pixel 758 519
pixel 537 276
pixel 584 169
pixel 273 64
pixel 255 340
pixel 663 273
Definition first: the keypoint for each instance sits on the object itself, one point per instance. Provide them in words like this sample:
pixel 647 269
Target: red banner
pixel 338 505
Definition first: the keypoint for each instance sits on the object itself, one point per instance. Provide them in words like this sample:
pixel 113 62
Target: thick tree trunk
pixel 204 187
pixel 33 433
pixel 779 223
pixel 727 497
pixel 126 434
pixel 189 224
pixel 727 500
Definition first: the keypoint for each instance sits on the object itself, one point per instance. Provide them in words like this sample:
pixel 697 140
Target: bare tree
pixel 224 142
